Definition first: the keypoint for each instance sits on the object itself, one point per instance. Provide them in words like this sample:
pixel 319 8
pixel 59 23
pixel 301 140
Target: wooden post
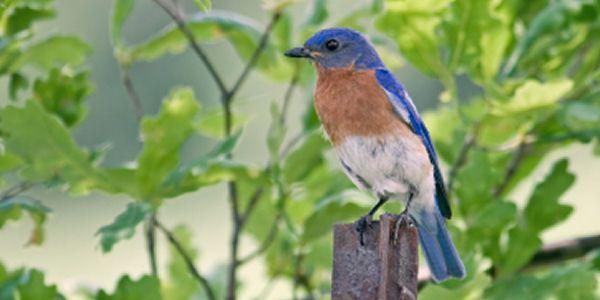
pixel 383 268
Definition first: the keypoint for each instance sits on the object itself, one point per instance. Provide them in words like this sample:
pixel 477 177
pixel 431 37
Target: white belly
pixel 392 166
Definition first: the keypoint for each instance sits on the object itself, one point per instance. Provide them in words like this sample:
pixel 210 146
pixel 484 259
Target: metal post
pixel 383 268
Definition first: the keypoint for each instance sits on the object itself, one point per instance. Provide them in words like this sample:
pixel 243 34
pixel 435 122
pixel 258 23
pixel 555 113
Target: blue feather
pixel 402 101
pixel 439 251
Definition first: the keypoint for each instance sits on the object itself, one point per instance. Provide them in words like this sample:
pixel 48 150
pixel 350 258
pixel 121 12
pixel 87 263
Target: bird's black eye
pixel 332 45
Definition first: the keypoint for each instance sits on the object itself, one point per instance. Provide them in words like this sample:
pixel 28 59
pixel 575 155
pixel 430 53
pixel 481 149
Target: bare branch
pixel 151 243
pixel 512 168
pixel 262 43
pixel 265 244
pixel 135 99
pixel 288 95
pixel 176 15
pixel 188 260
pixel 15 190
pixel 564 250
pixel 460 161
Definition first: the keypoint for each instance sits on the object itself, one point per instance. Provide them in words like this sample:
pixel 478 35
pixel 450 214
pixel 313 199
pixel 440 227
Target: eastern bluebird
pixel 380 139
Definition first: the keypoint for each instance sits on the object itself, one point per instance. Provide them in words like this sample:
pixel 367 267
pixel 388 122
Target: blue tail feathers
pixel 439 251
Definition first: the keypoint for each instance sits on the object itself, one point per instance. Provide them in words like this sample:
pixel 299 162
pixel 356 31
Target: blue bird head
pixel 338 48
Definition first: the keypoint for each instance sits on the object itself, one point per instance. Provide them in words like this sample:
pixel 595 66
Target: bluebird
pixel 380 139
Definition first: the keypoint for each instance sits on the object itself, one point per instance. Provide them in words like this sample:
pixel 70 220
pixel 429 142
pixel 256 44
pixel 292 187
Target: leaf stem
pixel 511 170
pixel 187 259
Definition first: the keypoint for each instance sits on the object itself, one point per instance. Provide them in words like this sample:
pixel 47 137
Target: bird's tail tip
pixel 441 254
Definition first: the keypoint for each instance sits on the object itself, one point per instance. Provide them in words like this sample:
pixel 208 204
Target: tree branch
pixel 460 161
pixel 564 250
pixel 187 259
pixel 135 99
pixel 177 17
pixel 267 242
pixel 151 243
pixel 262 43
pixel 512 168
pixel 15 190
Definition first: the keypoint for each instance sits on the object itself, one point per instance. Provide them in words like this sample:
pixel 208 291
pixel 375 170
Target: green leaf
pixel 241 32
pixel 304 158
pixel 317 13
pixel 412 25
pixel 16 84
pixel 121 10
pixel 64 93
pixel 533 95
pixel 472 289
pixel 9 162
pixel 211 123
pixel 564 282
pixel 54 51
pixel 332 210
pixel 13 208
pixel 47 149
pixel 204 5
pixel 22 18
pixel 26 284
pixel 145 288
pixel 276 132
pixel 35 288
pixel 543 209
pixel 163 136
pixel 123 227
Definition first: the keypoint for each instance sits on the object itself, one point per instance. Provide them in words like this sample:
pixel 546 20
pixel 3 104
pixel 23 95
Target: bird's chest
pixel 351 103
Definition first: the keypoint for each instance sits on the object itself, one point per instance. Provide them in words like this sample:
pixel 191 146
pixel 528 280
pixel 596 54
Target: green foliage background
pixel 520 81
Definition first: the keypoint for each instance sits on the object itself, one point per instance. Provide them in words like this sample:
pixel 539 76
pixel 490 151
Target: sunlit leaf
pixel 163 137
pixel 54 51
pixel 145 288
pixel 121 10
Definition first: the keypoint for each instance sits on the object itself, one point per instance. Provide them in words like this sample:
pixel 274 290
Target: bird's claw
pixel 403 220
pixel 361 226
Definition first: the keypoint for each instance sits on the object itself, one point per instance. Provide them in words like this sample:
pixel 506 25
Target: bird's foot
pixel 404 220
pixel 361 226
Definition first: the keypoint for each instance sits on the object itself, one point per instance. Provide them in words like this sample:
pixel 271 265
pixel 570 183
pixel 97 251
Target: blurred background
pixel 71 256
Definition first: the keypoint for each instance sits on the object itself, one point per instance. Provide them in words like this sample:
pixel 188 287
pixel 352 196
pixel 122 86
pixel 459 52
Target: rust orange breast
pixel 351 103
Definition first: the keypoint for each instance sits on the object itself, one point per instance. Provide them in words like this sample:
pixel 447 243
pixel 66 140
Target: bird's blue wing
pixel 407 111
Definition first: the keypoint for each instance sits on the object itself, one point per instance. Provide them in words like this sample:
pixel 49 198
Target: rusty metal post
pixel 383 268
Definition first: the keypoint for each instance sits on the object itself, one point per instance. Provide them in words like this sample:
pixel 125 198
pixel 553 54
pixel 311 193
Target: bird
pixel 380 139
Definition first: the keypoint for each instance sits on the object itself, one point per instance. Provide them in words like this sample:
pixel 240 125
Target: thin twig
pixel 151 243
pixel 262 43
pixel 15 190
pixel 564 250
pixel 288 95
pixel 251 204
pixel 460 161
pixel 512 168
pixel 188 260
pixel 267 242
pixel 135 99
pixel 177 17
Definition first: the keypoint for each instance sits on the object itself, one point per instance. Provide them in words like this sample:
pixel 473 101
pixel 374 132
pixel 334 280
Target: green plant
pixel 536 64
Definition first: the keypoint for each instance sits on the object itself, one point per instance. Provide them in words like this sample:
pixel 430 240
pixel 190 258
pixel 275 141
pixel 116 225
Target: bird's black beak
pixel 297 52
